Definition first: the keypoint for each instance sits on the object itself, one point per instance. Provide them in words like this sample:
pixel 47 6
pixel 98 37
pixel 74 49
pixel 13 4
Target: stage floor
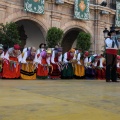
pixel 59 100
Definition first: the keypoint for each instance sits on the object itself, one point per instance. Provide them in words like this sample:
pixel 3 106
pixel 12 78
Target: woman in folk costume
pixel 28 69
pixel 56 60
pixel 11 68
pixel 43 60
pixel 79 66
pixel 4 58
pixel 118 66
pixel 1 51
pixel 67 72
pixel 101 68
pixel 42 47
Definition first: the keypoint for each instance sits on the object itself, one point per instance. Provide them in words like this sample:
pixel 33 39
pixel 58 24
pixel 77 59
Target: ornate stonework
pixel 61 16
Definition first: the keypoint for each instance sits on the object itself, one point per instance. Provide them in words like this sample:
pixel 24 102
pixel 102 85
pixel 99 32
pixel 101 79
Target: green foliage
pixel 54 36
pixel 83 41
pixel 9 34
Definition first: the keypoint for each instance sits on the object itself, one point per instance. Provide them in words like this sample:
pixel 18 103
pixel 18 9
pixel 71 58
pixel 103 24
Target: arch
pixel 71 31
pixel 37 22
pixel 73 24
pixel 20 15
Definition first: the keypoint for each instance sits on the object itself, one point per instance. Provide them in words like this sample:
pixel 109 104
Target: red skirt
pixel 42 71
pixel 55 72
pixel 100 73
pixel 11 69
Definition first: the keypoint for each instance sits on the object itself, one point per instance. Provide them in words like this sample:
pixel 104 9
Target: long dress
pixel 89 68
pixel 79 67
pixel 11 64
pixel 100 70
pixel 28 69
pixel 67 72
pixel 55 62
pixel 42 70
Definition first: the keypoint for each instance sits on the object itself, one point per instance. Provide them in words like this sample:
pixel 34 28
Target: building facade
pixel 61 16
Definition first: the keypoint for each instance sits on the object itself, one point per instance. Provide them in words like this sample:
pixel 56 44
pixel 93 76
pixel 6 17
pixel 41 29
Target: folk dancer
pixel 89 66
pixel 4 58
pixel 67 72
pixel 101 68
pixel 11 65
pixel 56 61
pixel 79 66
pixel 1 62
pixel 28 68
pixel 43 60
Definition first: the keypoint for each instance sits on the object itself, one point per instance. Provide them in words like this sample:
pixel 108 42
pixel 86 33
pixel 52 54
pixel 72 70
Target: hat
pixel 16 47
pixel 86 53
pixel 42 44
pixel 72 50
pixel 49 50
pixel 1 46
pixel 5 47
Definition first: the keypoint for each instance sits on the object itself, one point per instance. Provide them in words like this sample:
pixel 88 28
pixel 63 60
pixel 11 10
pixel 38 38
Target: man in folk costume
pixel 111 57
pixel 11 68
pixel 56 60
pixel 28 69
pixel 118 66
pixel 43 60
pixel 67 72
pixel 1 65
pixel 79 66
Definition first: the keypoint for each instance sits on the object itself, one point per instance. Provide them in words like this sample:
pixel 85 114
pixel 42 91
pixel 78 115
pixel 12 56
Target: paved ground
pixel 59 100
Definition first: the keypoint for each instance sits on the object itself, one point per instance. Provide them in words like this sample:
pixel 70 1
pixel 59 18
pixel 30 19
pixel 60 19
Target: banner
pixel 35 6
pixel 81 9
pixel 117 22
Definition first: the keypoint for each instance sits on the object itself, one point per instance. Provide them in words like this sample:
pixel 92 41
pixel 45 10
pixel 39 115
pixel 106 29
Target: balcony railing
pixel 110 3
pixel 92 1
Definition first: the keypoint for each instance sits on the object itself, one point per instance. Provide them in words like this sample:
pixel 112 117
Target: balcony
pixel 92 1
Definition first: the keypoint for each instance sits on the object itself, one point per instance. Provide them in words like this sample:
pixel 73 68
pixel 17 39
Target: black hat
pixel 5 47
pixel 42 44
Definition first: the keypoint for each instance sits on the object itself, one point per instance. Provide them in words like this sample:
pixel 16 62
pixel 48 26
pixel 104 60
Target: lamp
pixel 106 33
